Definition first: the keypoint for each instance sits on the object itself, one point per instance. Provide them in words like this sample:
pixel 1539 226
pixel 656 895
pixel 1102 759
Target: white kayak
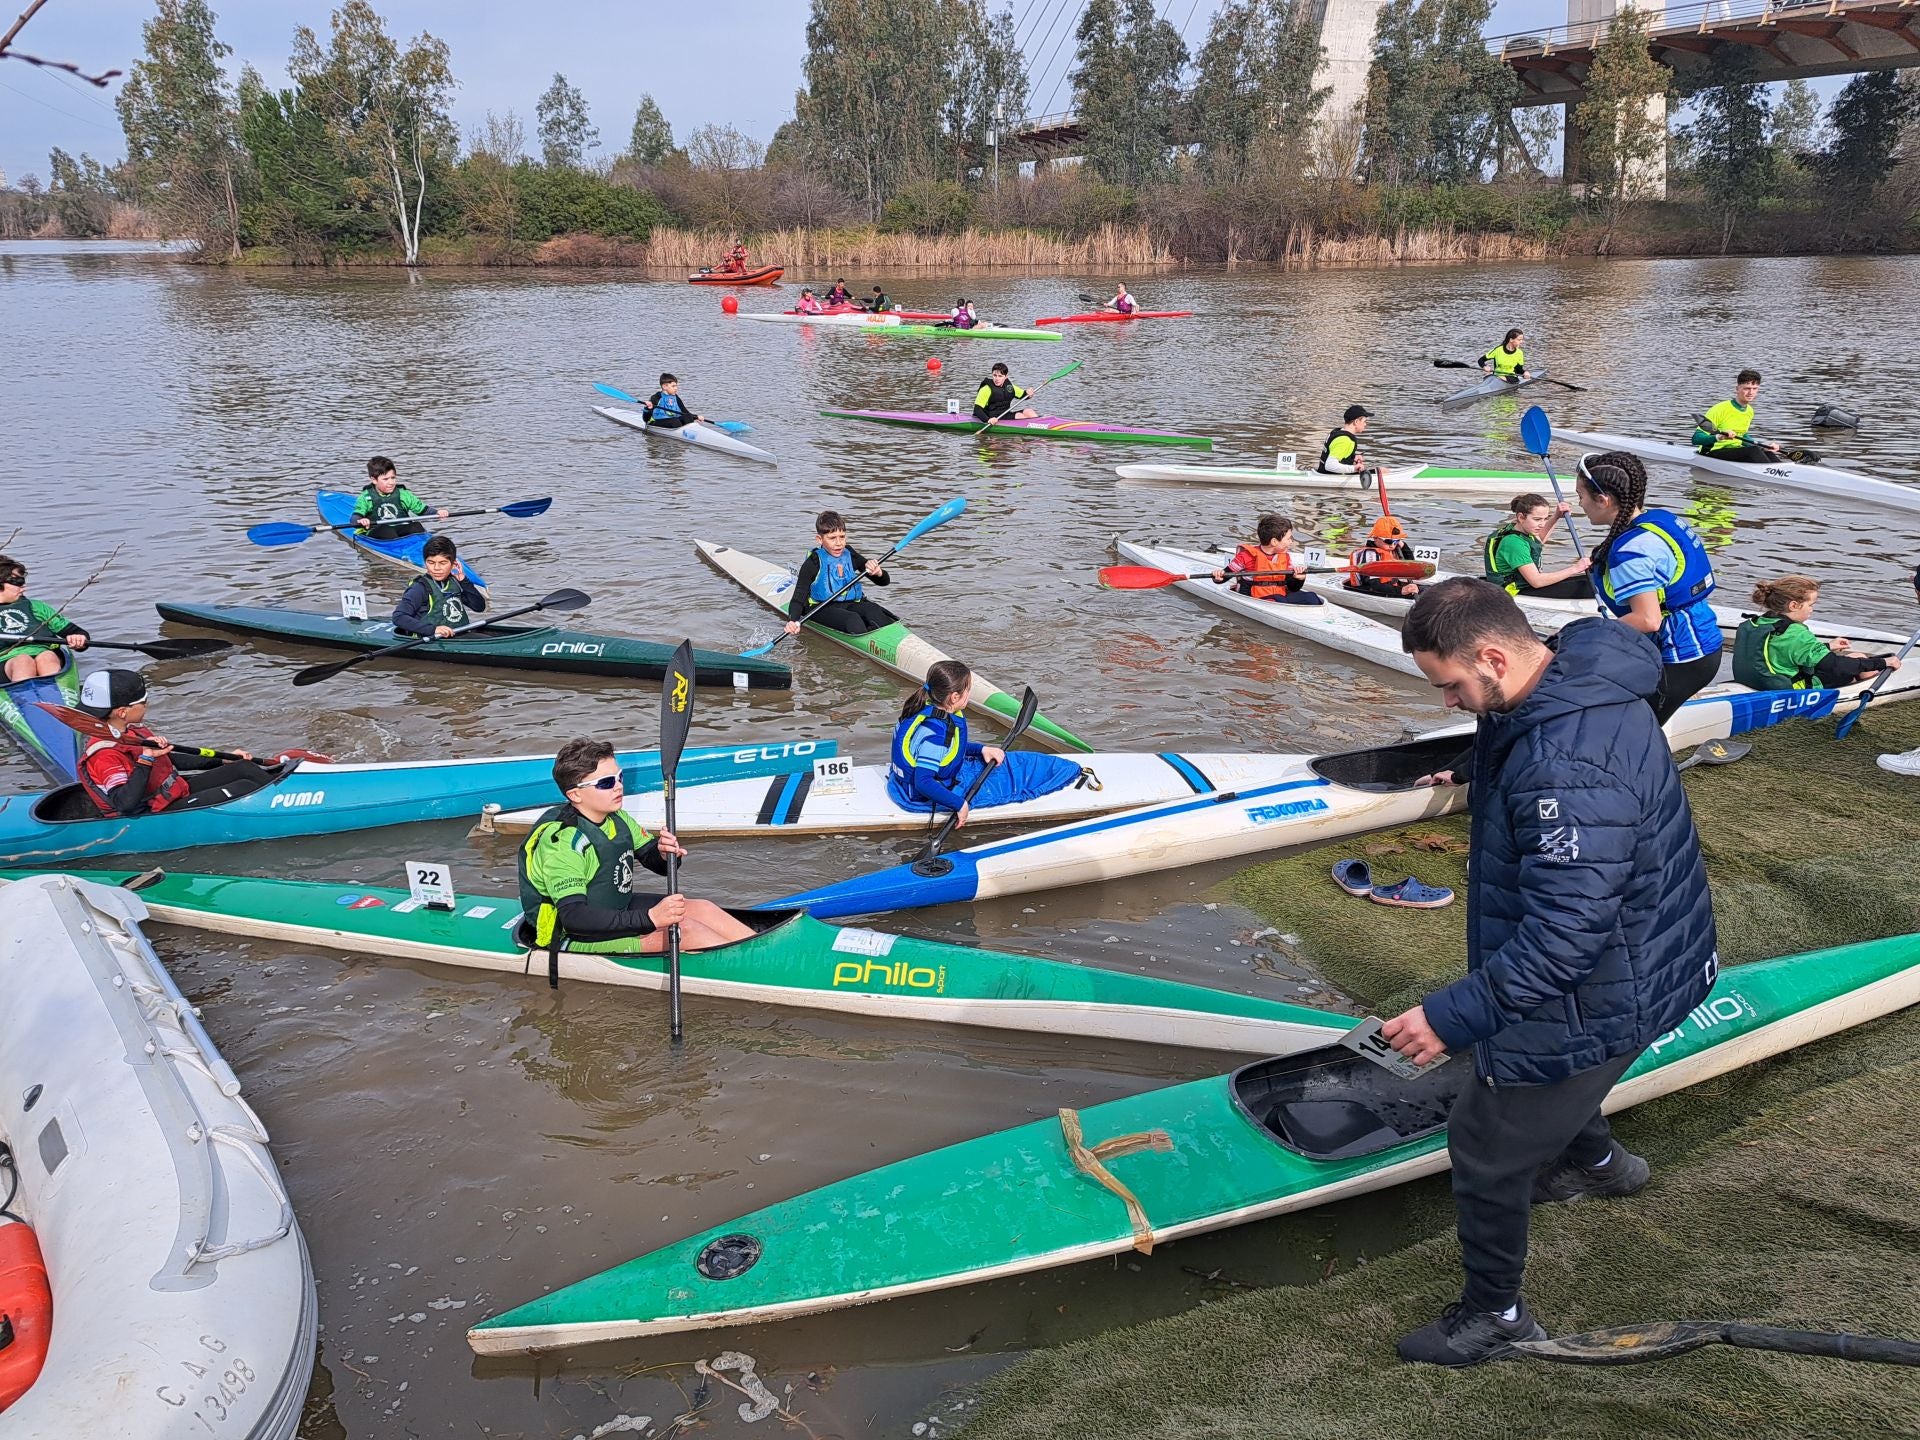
pixel 706 437
pixel 1408 477
pixel 1334 626
pixel 1321 798
pixel 794 805
pixel 849 317
pixel 183 1301
pixel 1785 474
pixel 1492 385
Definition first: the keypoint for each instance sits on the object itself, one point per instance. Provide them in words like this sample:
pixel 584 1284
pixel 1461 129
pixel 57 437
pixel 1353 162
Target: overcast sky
pixel 737 64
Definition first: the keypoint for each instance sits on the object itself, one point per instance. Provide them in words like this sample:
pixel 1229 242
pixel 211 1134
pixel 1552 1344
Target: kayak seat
pixel 1331 1104
pixel 1331 1128
pixel 1391 767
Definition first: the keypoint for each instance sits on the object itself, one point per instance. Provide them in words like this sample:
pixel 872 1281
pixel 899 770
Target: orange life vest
pixel 1251 559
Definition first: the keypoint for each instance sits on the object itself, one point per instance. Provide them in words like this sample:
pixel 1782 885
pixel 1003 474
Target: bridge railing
pixel 1675 19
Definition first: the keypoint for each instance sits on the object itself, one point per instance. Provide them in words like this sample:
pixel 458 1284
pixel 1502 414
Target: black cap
pixel 105 691
pixel 1356 412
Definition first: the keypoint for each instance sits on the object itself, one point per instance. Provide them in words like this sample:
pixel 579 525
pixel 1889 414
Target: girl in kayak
pixel 963 317
pixel 386 508
pixel 1386 541
pixel 997 396
pixel 1650 571
pixel 809 304
pixel 32 632
pixel 1723 434
pixel 839 294
pixel 577 867
pixel 1340 455
pixel 1122 302
pixel 932 763
pixel 1512 554
pixel 830 589
pixel 136 772
pixel 665 408
pixel 1507 359
pixel 1268 558
pixel 437 603
pixel 1776 651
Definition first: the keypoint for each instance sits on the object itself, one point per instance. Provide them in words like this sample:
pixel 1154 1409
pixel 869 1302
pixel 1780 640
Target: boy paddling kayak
pixel 135 772
pixel 1340 454
pixel 32 632
pixel 438 603
pixel 665 409
pixel 997 396
pixel 1776 651
pixel 1264 570
pixel 1724 435
pixel 1512 554
pixel 827 568
pixel 386 509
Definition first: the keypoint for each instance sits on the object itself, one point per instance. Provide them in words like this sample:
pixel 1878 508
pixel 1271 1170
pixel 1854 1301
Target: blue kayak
pixel 336 508
pixel 311 798
pixel 48 743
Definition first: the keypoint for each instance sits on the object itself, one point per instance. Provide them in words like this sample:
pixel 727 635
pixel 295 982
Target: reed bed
pixel 1111 246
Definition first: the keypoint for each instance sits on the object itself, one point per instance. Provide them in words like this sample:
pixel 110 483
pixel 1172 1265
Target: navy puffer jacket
pixel 1589 926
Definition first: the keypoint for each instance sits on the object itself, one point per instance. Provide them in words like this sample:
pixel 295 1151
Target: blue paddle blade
pixel 279 532
pixel 1536 431
pixel 732 427
pixel 527 509
pixel 954 507
pixel 616 394
pixel 757 651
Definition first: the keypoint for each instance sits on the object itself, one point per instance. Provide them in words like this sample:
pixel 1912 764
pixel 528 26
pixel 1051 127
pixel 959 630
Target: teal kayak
pixel 336 508
pixel 1280 1135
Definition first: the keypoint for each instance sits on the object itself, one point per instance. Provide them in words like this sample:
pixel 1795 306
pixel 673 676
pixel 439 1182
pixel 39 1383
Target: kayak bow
pixel 706 437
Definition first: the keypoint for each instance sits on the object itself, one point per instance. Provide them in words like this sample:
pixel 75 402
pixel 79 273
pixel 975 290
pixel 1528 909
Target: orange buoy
pixel 27 1303
pixel 934 364
pixel 730 304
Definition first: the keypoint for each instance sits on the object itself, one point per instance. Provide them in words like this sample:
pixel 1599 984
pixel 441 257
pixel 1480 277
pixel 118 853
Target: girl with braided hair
pixel 1651 572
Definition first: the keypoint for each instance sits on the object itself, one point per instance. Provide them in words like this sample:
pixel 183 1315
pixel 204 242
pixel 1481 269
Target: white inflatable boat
pixel 182 1298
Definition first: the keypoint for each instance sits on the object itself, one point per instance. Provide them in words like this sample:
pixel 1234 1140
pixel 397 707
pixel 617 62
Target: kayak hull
pixel 789 805
pixel 978 332
pixel 312 798
pixel 1041 427
pixel 1334 626
pixel 895 646
pixel 1017 1202
pixel 792 961
pixel 1095 316
pixel 1819 480
pixel 1411 478
pixel 701 437
pixel 1324 798
pixel 42 739
pixel 1492 385
pixel 336 508
pixel 507 647
pixel 760 275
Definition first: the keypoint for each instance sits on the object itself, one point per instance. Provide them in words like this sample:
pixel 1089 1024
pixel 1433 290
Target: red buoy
pixel 934 364
pixel 730 304
pixel 27 1301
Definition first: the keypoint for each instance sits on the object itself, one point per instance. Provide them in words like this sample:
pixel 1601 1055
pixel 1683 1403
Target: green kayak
pixel 509 647
pixel 794 961
pixel 978 332
pixel 1280 1135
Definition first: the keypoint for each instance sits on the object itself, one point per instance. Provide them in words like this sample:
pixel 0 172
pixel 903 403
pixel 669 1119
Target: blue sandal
pixel 1412 895
pixel 1355 877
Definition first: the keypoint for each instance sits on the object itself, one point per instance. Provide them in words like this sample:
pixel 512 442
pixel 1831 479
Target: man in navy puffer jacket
pixel 1589 930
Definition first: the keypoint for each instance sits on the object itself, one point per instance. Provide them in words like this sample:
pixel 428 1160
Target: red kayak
pixel 762 275
pixel 1092 316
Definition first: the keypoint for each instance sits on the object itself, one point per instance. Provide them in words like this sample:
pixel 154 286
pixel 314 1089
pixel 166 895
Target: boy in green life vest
pixel 577 869
pixel 386 508
pixel 1724 435
pixel 438 602
pixel 1512 554
pixel 32 632
pixel 1508 359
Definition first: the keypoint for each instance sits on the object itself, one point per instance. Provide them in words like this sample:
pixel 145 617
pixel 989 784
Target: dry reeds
pixel 1110 247
pixel 1308 249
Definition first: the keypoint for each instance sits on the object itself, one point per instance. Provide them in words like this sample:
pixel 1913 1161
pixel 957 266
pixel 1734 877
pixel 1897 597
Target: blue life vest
pixel 666 407
pixel 1689 587
pixel 913 732
pixel 835 571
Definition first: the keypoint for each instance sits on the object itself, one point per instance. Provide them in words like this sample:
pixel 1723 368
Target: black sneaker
pixel 1462 1337
pixel 1624 1174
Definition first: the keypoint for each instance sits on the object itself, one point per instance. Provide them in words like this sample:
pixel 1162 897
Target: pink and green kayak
pixel 1041 427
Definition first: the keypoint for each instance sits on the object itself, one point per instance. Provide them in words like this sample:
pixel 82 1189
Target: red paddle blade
pixel 1397 569
pixel 1137 577
pixel 89 725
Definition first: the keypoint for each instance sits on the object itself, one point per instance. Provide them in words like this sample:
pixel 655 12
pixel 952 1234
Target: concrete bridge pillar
pixel 1652 175
pixel 1346 30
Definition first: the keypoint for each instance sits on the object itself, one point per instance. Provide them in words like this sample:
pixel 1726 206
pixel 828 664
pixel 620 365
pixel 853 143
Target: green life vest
pixel 444 605
pixel 1509 578
pixel 390 516
pixel 1757 658
pixel 610 886
pixel 18 621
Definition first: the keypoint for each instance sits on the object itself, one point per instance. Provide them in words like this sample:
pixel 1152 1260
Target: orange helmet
pixel 1386 528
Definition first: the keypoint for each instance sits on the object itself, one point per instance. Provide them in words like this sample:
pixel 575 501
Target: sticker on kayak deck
pixel 479 912
pixel 864 942
pixel 364 902
pixel 408 905
pixel 1290 810
pixel 739 679
pixel 780 581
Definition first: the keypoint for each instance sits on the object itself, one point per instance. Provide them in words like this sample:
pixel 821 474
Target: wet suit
pixel 124 777
pixel 852 614
pixel 576 881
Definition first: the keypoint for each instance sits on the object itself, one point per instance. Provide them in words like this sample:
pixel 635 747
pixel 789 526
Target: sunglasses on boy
pixel 605 782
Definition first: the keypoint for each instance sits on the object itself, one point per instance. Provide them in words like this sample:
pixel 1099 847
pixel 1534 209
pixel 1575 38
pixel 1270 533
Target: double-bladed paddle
pixel 1063 371
pixel 1631 1344
pixel 1151 577
pixel 94 728
pixel 190 649
pixel 930 861
pixel 1536 433
pixel 558 600
pixel 284 532
pixel 1511 380
pixel 1848 720
pixel 1797 456
pixel 732 427
pixel 676 718
pixel 954 507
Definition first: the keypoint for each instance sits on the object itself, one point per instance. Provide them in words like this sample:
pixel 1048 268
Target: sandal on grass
pixel 1412 895
pixel 1355 877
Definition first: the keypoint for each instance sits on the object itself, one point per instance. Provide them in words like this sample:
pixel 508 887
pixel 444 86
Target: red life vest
pixel 110 760
pixel 1251 559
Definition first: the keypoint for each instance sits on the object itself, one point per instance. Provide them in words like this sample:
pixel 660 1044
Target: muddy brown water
pixel 456 1142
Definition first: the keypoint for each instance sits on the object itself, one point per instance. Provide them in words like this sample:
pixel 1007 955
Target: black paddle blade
pixel 565 600
pixel 676 710
pixel 314 674
pixel 190 649
pixel 1029 707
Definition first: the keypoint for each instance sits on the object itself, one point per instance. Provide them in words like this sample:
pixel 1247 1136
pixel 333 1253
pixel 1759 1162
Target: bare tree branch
pixel 67 65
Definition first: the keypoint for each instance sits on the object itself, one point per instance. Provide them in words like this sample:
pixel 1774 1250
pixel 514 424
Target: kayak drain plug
pixel 933 867
pixel 727 1257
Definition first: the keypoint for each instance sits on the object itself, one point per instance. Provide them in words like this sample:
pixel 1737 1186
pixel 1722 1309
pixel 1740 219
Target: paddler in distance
pixel 577 869
pixel 1122 302
pixel 963 317
pixel 997 396
pixel 809 304
pixel 1340 455
pixel 665 408
pixel 1512 554
pixel 878 302
pixel 32 632
pixel 386 509
pixel 1508 359
pixel 135 773
pixel 1269 559
pixel 437 603
pixel 1724 436
pixel 1776 651
pixel 828 566
pixel 839 294
pixel 932 763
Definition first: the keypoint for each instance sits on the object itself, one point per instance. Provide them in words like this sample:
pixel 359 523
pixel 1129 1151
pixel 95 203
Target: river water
pixel 455 1142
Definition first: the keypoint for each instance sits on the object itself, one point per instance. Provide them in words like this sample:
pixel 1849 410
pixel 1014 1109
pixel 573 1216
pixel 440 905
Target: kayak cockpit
pixel 1331 1104
pixel 70 804
pixel 762 922
pixel 1392 767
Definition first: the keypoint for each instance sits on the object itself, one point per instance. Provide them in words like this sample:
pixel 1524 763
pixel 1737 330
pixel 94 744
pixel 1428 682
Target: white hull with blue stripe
pixel 1318 798
pixel 795 804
